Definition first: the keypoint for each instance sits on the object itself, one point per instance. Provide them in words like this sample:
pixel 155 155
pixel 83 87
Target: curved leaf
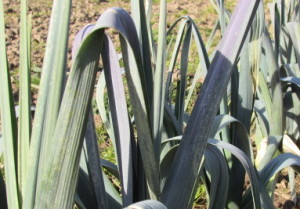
pixel 218 169
pixel 260 197
pixel 121 21
pixel 293 80
pixel 147 204
pixel 273 167
pixel 277 164
pixel 191 149
pixel 57 187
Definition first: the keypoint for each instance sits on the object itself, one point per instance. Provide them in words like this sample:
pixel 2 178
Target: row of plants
pixel 250 96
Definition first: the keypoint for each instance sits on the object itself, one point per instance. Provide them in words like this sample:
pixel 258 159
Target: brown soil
pixel 85 12
pixel 88 11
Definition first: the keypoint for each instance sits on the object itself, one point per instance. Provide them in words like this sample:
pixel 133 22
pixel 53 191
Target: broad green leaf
pixel 79 202
pixel 263 93
pixel 147 204
pixel 262 119
pixel 293 80
pixel 133 69
pixel 49 98
pixel 290 70
pixel 243 143
pixel 261 150
pixel 277 23
pixel 187 22
pixel 171 123
pixel 273 167
pixel 165 164
pixel 8 123
pixel 202 52
pixel 293 13
pixel 142 10
pixel 275 117
pixel 24 98
pixel 58 187
pixel 113 197
pixel 290 75
pixel 142 121
pixel 85 195
pixel 259 195
pixel 291 101
pixel 216 165
pixel 94 164
pixel 199 75
pixel 53 75
pixel 288 146
pixel 287 52
pixel 223 13
pixel 242 96
pixel 119 118
pixel 272 144
pixel 292 183
pixel 212 35
pixel 174 57
pixel 261 198
pixel 100 99
pixel 159 78
pixel 145 36
pixel 167 145
pixel 85 79
pixel 294 28
pixel 221 121
pixel 188 157
pixel 181 84
pixel 110 167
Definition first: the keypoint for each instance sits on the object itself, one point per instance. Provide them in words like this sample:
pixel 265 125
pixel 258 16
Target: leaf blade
pixel 8 121
pixel 187 158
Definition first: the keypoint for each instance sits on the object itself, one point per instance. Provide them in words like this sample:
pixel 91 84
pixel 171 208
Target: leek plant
pixel 162 151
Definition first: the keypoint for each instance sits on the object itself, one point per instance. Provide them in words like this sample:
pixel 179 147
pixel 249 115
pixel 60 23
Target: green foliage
pixel 158 141
pixel 107 150
pixel 200 195
pixel 1 166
